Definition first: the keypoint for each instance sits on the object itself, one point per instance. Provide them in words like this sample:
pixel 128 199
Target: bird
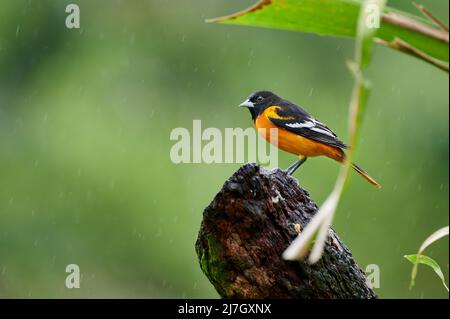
pixel 299 133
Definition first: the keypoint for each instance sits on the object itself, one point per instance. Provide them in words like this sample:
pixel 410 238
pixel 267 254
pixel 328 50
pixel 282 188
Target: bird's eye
pixel 259 99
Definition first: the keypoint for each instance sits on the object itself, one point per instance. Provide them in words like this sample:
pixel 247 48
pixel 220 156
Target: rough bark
pixel 250 223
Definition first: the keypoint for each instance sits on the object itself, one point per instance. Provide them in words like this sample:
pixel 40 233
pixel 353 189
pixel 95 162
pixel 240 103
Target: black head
pixel 259 101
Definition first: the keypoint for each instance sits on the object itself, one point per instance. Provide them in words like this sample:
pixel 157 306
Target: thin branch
pixel 405 47
pixel 432 17
pixel 257 6
pixel 413 25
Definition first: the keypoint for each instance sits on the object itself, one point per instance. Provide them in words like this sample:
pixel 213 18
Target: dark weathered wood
pixel 250 223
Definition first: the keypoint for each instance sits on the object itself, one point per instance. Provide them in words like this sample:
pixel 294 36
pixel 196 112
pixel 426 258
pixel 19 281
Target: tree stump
pixel 246 228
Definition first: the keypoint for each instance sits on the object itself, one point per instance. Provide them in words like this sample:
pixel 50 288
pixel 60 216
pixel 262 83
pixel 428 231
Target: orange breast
pixel 291 142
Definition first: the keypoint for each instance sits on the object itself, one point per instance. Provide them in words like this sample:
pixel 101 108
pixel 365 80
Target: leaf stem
pixel 432 17
pixel 413 25
pixel 405 47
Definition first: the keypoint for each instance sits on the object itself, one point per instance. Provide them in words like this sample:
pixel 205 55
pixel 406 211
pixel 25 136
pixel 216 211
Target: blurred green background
pixel 85 118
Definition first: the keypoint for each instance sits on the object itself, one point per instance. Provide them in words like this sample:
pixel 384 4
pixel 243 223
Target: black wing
pixel 298 121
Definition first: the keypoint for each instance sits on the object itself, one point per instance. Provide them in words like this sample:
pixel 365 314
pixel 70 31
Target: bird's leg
pixel 291 169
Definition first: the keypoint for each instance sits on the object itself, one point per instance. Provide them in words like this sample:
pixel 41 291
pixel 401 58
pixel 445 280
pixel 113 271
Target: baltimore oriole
pixel 298 132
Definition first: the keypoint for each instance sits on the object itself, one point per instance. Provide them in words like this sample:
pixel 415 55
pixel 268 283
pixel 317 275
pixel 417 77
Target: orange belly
pixel 296 144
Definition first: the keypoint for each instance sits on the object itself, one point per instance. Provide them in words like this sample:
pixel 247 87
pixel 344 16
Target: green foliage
pixel 418 258
pixel 425 260
pixel 333 18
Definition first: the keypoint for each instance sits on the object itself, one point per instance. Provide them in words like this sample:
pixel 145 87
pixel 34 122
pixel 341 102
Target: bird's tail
pixel 365 175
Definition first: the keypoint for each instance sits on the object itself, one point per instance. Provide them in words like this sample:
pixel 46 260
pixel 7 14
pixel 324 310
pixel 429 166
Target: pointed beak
pixel 247 103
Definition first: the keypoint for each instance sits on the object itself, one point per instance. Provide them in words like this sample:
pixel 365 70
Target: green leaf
pixel 340 18
pixel 417 258
pixel 425 260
